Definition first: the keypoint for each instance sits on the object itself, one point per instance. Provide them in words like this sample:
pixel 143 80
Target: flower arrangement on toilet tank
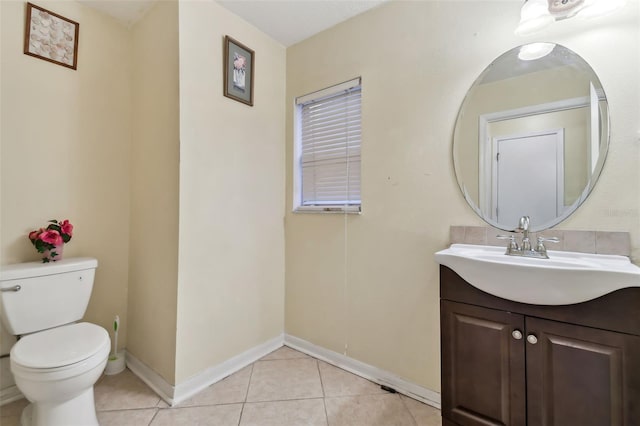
pixel 50 241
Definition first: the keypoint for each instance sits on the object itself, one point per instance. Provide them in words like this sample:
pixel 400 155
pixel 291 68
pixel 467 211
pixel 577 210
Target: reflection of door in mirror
pixel 573 116
pixel 528 177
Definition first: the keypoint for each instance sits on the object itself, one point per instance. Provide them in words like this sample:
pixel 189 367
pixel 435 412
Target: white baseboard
pixel 10 394
pixel 173 395
pixel 367 371
pixel 156 382
pixel 214 374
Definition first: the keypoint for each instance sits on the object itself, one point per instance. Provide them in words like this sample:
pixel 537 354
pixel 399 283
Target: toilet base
pixel 79 411
pixel 27 415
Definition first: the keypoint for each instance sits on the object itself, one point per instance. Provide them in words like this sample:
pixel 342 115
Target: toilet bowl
pixel 56 370
pixel 56 360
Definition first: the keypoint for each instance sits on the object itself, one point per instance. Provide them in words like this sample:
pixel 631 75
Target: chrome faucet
pixel 523 227
pixel 524 249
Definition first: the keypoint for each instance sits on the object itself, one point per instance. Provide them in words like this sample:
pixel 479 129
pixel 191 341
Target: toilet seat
pixel 60 352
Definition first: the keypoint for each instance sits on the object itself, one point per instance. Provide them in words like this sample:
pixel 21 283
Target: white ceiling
pixel 286 21
pixel 291 21
pixel 127 12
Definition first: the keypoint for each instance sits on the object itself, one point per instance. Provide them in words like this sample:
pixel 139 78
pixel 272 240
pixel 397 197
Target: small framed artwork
pixel 238 71
pixel 51 37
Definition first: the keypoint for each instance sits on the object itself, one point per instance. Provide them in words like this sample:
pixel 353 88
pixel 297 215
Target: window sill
pixel 328 209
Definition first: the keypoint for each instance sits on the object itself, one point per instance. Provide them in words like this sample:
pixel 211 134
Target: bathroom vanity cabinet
pixel 515 364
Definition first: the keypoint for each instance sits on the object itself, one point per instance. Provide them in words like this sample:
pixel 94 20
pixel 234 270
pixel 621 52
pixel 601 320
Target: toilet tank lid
pixel 19 271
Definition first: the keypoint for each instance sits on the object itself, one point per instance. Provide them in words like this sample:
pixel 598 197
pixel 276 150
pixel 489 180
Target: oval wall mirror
pixel 531 137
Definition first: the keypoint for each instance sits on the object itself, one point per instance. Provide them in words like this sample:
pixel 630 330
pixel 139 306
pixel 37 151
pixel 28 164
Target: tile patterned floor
pixel 285 388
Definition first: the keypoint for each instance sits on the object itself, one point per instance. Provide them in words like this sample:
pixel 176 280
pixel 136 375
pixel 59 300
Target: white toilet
pixel 56 361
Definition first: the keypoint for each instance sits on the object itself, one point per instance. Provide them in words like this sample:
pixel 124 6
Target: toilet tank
pixel 35 296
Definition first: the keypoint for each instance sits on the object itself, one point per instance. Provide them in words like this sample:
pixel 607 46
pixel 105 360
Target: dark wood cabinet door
pixel 581 376
pixel 483 371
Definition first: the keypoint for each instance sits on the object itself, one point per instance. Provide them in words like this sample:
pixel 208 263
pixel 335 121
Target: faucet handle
pixel 540 248
pixel 542 239
pixel 513 245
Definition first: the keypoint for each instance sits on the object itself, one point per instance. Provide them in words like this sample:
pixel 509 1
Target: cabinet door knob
pixel 517 334
pixel 532 339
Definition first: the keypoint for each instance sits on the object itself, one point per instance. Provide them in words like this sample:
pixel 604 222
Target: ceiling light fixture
pixel 536 15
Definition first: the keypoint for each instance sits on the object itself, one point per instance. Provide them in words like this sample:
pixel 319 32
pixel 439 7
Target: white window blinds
pixel 329 132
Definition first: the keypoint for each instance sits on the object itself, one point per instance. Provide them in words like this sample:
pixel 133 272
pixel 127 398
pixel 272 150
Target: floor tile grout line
pixel 326 413
pixel 154 416
pixel 324 394
pixel 406 407
pixel 240 416
pixel 181 407
pixel 246 394
pixel 266 401
pixel 127 409
pixel 354 395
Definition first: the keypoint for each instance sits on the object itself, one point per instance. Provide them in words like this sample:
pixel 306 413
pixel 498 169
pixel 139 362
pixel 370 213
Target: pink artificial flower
pixel 239 62
pixel 51 237
pixel 33 235
pixel 66 228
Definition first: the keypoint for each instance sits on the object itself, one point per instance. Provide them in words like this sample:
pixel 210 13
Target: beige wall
pixel 153 272
pixel 65 139
pixel 367 285
pixel 232 174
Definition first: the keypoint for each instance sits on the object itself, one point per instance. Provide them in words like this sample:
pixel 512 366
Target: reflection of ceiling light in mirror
pixel 533 51
pixel 597 8
pixel 534 16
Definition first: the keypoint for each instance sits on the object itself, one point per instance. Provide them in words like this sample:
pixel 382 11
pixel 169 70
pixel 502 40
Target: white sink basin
pixel 565 278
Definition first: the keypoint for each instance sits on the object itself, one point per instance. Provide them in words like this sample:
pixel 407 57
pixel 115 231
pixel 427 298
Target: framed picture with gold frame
pixel 51 37
pixel 238 71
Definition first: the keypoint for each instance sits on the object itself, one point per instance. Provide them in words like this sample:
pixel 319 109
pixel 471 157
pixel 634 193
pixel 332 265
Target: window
pixel 327 150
